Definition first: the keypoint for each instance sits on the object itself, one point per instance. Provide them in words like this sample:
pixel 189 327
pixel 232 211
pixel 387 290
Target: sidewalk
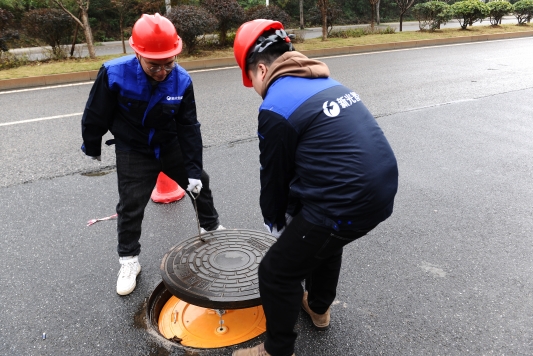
pixel 19 83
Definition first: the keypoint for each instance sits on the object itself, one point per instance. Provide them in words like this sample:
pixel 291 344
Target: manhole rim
pixel 154 305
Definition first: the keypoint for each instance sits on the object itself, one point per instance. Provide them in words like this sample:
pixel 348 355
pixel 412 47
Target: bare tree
pixel 301 14
pixel 373 6
pixel 323 6
pixel 123 7
pixel 403 5
pixel 378 18
pixel 83 5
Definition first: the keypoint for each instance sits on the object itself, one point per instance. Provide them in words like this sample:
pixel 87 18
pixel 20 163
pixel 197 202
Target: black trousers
pixel 137 176
pixel 303 251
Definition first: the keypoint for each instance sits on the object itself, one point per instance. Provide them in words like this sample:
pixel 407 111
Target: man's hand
pixel 96 158
pixel 195 185
pixel 274 231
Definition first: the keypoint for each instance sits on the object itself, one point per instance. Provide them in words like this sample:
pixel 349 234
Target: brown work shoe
pixel 258 350
pixel 320 321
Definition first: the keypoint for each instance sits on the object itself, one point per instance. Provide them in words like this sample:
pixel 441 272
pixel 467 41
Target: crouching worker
pixel 321 148
pixel 147 102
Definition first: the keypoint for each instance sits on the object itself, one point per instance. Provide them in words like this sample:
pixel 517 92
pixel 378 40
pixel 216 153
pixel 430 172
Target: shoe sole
pixel 129 291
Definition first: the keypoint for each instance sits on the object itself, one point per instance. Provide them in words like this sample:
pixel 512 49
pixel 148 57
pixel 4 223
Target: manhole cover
pixel 218 273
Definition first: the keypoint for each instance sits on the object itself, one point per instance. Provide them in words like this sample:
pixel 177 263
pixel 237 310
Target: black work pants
pixel 303 251
pixel 137 176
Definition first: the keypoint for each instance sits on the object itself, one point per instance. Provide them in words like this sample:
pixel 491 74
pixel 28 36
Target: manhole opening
pixel 209 296
pixel 210 330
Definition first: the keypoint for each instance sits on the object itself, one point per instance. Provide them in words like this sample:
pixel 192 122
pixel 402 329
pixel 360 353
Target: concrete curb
pixel 19 83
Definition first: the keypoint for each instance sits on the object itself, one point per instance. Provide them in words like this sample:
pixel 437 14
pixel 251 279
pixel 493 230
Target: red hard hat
pixel 246 37
pixel 155 37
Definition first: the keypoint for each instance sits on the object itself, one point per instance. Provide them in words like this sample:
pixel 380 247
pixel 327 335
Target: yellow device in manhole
pixel 207 328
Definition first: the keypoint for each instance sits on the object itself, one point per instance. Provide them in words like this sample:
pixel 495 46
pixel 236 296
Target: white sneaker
pixel 220 227
pixel 129 269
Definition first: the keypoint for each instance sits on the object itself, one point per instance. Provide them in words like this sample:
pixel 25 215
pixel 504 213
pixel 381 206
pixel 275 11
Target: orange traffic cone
pixel 166 190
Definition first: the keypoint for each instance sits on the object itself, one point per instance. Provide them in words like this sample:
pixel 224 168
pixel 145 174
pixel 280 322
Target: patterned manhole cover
pixel 218 273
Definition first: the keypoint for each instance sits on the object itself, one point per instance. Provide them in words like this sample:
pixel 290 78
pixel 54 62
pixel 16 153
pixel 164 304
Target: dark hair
pixel 269 46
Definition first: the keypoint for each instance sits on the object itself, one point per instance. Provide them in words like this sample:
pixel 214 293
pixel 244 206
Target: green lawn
pixel 86 64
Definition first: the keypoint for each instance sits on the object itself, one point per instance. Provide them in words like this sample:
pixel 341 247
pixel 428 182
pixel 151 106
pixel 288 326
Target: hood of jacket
pixel 293 64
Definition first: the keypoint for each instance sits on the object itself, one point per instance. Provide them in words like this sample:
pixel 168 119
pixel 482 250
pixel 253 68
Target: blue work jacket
pixel 323 154
pixel 141 116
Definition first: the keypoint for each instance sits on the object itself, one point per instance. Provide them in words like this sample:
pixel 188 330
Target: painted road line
pixel 41 119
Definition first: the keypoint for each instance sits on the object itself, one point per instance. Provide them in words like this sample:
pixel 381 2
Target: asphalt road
pixel 450 273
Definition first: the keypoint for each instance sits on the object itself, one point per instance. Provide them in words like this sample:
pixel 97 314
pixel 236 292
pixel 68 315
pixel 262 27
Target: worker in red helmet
pixel 328 177
pixel 147 102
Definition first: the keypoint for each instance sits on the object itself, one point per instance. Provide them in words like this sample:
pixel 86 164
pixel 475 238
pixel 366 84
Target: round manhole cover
pixel 219 272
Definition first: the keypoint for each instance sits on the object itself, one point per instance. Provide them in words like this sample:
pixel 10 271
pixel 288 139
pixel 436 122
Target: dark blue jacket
pixel 143 118
pixel 323 153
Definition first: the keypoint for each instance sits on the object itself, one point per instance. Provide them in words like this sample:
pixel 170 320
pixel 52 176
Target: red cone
pixel 166 190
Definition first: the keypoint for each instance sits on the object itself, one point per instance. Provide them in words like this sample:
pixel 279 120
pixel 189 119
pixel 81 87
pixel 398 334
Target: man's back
pixel 345 171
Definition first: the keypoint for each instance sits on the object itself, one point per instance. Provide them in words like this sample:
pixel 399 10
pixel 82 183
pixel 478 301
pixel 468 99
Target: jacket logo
pixel 332 109
pixel 169 98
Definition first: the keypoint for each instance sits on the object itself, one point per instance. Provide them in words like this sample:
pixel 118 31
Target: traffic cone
pixel 166 190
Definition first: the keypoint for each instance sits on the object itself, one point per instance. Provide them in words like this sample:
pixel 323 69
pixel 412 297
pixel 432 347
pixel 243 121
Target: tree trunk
pixel 222 35
pixel 88 33
pixel 378 20
pixel 324 13
pixel 121 24
pixel 75 37
pixel 401 21
pixel 84 23
pixel 372 19
pixel 168 8
pixel 301 14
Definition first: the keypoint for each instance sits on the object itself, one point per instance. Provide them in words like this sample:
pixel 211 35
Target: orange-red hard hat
pixel 246 37
pixel 155 37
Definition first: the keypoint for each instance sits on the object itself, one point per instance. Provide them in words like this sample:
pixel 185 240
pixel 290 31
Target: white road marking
pixel 43 88
pixel 41 119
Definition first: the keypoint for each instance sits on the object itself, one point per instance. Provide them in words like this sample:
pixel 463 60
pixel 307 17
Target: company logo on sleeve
pixel 172 98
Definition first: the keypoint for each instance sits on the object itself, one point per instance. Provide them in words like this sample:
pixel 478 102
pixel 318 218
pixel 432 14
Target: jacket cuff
pixel 93 149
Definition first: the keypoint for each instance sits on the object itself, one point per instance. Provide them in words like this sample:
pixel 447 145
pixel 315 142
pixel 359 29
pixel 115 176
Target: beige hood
pixel 294 64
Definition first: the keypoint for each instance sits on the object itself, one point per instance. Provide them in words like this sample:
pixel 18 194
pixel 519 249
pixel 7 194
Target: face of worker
pixel 258 77
pixel 157 69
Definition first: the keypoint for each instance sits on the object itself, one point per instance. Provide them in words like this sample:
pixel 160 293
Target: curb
pixel 29 82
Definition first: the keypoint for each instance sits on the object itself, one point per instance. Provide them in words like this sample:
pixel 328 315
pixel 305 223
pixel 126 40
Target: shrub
pixel 6 33
pixel 299 36
pixel 192 22
pixel 271 12
pixel 52 26
pixel 359 32
pixel 469 11
pixel 431 15
pixel 9 60
pixel 498 9
pixel 523 11
pixel 228 13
